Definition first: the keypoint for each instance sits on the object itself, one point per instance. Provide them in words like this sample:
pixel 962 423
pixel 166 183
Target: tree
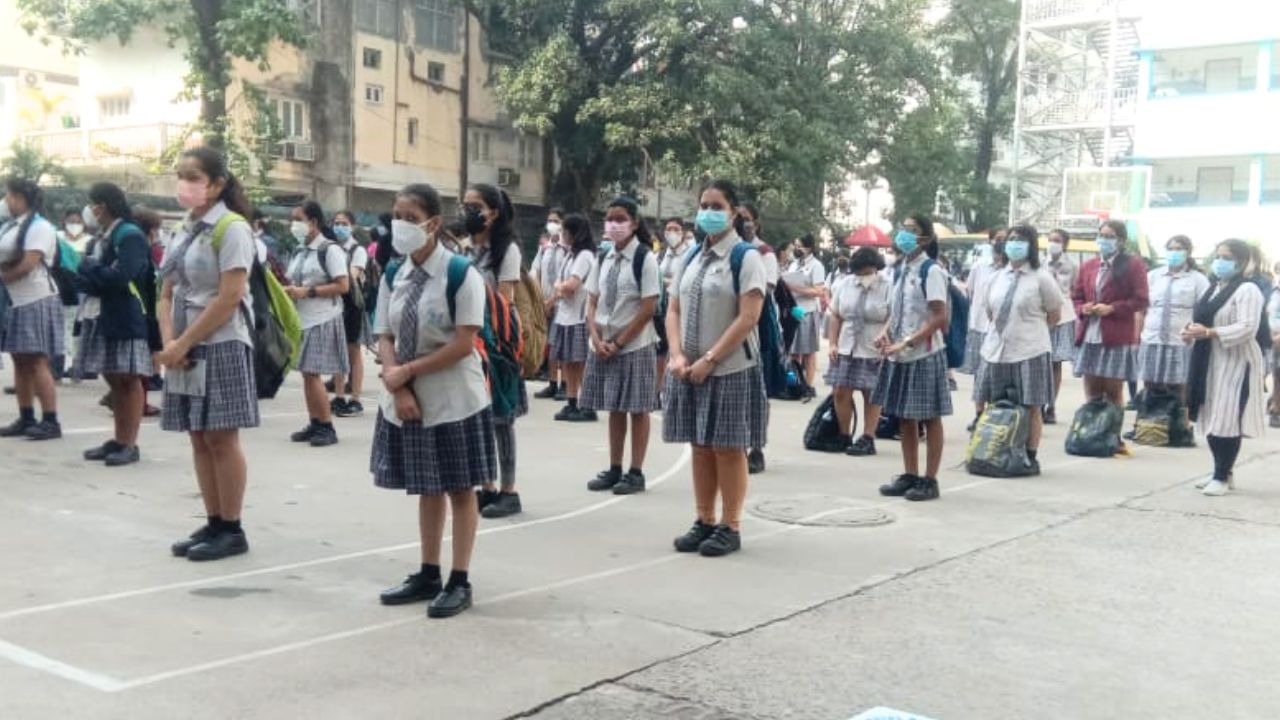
pixel 922 158
pixel 27 161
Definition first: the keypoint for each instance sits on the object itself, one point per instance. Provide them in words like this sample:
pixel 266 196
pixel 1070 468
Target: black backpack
pixel 1095 429
pixel 822 434
pixel 998 446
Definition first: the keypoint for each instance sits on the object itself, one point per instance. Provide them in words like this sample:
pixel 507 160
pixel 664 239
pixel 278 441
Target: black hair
pixel 865 257
pixel 1185 242
pixel 501 233
pixel 578 229
pixel 111 196
pixel 730 193
pixel 1240 250
pixel 214 166
pixel 259 216
pixel 1120 263
pixel 1029 233
pixel 425 196
pixel 809 242
pixel 632 209
pixel 72 213
pixel 1066 236
pixel 351 218
pixel 753 212
pixel 312 211
pixel 385 218
pixel 673 219
pixel 925 226
pixel 30 192
pixel 557 211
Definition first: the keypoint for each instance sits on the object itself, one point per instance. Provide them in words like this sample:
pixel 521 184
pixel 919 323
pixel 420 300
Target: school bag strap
pixel 637 262
pixel 736 256
pixel 454 277
pixel 220 230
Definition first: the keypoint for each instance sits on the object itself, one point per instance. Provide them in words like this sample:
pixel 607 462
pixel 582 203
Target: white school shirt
pixel 719 307
pixel 1187 286
pixel 509 270
pixel 196 283
pixel 859 329
pixel 672 259
pixel 770 259
pixel 911 304
pixel 306 271
pixel 629 294
pixel 1027 334
pixel 41 238
pixel 358 256
pixel 1064 271
pixel 547 265
pixel 573 309
pixel 458 391
pixel 816 275
pixel 979 285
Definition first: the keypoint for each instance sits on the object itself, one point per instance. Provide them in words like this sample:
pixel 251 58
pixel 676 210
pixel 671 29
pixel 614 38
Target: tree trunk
pixel 212 67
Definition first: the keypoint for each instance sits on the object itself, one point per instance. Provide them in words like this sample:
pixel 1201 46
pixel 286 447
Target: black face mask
pixel 474 221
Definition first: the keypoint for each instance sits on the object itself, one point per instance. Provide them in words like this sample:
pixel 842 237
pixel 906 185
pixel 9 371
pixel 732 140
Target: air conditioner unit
pixel 508 177
pixel 300 152
pixel 31 79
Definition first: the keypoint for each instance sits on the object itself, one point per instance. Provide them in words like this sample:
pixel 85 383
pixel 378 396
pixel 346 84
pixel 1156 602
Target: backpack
pixel 955 332
pixel 795 387
pixel 1095 429
pixel 787 322
pixel 998 446
pixel 356 294
pixel 533 323
pixel 62 266
pixel 822 434
pixel 276 328
pixel 1162 420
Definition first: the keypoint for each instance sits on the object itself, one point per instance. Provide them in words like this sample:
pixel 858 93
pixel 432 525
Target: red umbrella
pixel 867 236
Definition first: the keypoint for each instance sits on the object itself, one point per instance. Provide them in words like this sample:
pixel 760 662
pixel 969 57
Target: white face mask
pixel 74 229
pixel 299 230
pixel 406 237
pixel 673 238
pixel 90 220
pixel 553 229
pixel 1055 249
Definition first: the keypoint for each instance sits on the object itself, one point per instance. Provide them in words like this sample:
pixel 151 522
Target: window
pixel 377 17
pixel 435 72
pixel 413 131
pixel 1213 185
pixel 480 149
pixel 1204 71
pixel 528 152
pixel 114 108
pixel 373 94
pixel 372 58
pixel 292 117
pixel 435 24
pixel 1200 182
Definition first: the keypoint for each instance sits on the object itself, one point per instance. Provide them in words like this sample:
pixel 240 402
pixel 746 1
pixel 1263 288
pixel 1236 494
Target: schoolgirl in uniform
pixel 1063 334
pixel 205 325
pixel 715 389
pixel 809 298
pixel 675 244
pixel 489 217
pixel 434 434
pixel 859 311
pixel 912 385
pixel 318 280
pixel 1163 356
pixel 1022 304
pixel 546 266
pixel 621 367
pixel 35 331
pixel 1109 293
pixel 569 329
pixel 118 347
pixel 980 277
pixel 353 319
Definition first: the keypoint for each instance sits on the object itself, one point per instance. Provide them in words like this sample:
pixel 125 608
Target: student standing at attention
pixel 569 330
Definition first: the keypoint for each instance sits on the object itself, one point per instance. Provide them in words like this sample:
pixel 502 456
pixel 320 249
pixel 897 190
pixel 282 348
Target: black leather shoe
pixel 690 541
pixel 415 588
pixel 506 505
pixel 485 498
pixel 755 461
pixel 1050 415
pixel 304 435
pixel 630 484
pixel 585 415
pixel 101 452
pixel 324 436
pixel 863 446
pixel 723 541
pixel 899 486
pixel 925 489
pixel 350 409
pixel 44 430
pixel 548 392
pixel 222 545
pixel 17 428
pixel 562 393
pixel 204 534
pixel 123 456
pixel 567 414
pixel 450 602
pixel 605 480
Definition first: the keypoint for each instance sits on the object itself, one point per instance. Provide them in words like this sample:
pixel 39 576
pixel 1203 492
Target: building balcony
pixel 1065 13
pixel 1078 109
pixel 1207 125
pixel 111 146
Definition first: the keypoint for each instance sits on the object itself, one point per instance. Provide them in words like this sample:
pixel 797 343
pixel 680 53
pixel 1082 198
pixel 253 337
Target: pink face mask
pixel 192 194
pixel 617 231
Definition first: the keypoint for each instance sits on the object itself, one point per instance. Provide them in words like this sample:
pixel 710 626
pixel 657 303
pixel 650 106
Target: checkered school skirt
pixel 569 343
pixel 452 457
pixel 231 398
pixel 1164 364
pixel 36 328
pixel 851 372
pixel 623 383
pixel 324 349
pixel 914 390
pixel 114 357
pixel 806 340
pixel 1064 342
pixel 1117 363
pixel 727 411
pixel 972 352
pixel 1029 382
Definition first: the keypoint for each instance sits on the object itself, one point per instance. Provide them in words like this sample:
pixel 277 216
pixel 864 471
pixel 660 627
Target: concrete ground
pixel 1105 588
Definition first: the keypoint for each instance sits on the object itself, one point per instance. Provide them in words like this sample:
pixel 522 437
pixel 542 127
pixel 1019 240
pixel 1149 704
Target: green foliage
pixel 923 158
pixel 27 161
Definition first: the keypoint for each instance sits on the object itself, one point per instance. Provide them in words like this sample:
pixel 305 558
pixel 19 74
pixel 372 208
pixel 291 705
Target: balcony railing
pixel 1082 107
pixel 1047 10
pixel 111 145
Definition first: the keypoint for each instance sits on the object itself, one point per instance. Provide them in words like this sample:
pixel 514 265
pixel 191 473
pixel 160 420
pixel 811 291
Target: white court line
pixel 679 465
pixel 36 661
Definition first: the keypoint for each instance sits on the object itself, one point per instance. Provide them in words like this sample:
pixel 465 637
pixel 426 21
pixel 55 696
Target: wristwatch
pixel 908 343
pixel 710 358
pixel 311 291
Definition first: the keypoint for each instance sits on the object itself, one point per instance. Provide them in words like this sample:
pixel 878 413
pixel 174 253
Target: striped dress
pixel 1236 365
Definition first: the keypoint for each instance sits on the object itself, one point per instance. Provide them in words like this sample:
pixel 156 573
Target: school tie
pixel 1006 307
pixel 1166 310
pixel 900 306
pixel 407 345
pixel 611 284
pixel 690 343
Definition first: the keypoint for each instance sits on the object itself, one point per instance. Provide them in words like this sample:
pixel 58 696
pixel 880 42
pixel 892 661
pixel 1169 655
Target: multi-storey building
pixel 39 87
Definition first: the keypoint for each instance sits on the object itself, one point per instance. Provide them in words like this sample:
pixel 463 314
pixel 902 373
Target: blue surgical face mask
pixel 1016 250
pixel 713 222
pixel 906 241
pixel 1176 258
pixel 1106 245
pixel 606 247
pixel 342 232
pixel 1224 268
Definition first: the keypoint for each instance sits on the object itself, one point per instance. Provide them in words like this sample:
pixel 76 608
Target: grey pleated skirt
pixel 806 340
pixel 972 352
pixel 1114 363
pixel 851 372
pixel 1028 382
pixel 1164 364
pixel 727 411
pixel 37 328
pixel 452 457
pixel 1064 342
pixel 569 343
pixel 623 383
pixel 231 400
pixel 324 349
pixel 914 390
pixel 113 357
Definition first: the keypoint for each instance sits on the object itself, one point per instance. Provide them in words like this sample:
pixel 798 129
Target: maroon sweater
pixel 1126 294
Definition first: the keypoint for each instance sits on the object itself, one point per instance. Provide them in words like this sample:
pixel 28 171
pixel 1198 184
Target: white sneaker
pixel 1203 482
pixel 1215 488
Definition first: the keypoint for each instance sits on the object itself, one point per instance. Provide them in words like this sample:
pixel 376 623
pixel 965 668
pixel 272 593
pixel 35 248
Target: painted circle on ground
pixel 820 511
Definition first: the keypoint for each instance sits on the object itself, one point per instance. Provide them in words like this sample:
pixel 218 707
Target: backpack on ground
pixel 1162 420
pixel 998 446
pixel 533 323
pixel 1095 429
pixel 956 331
pixel 276 328
pixel 796 387
pixel 822 434
pixel 788 325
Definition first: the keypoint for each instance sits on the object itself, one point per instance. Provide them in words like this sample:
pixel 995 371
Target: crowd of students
pixel 638 323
